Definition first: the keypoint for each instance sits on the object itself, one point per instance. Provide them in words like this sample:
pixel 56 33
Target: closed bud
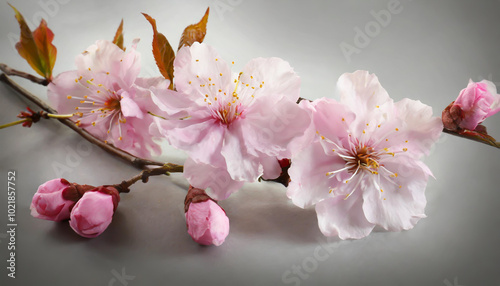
pixel 474 104
pixel 93 213
pixel 55 198
pixel 206 221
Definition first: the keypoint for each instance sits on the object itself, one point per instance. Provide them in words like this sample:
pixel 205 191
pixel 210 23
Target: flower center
pixel 112 104
pixel 226 101
pixel 362 162
pixel 227 113
pixel 101 104
pixel 225 107
pixel 364 158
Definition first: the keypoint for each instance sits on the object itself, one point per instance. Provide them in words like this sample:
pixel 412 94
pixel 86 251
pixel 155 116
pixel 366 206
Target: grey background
pixel 428 51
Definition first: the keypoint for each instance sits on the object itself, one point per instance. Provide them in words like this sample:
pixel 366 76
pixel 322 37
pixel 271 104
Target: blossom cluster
pixel 356 159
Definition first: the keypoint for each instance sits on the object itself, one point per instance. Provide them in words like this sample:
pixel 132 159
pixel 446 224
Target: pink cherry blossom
pixel 108 98
pixel 207 222
pixel 473 105
pixel 49 203
pixel 363 168
pixel 93 213
pixel 238 124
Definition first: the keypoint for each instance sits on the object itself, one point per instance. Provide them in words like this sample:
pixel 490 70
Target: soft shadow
pixel 64 234
pixel 263 211
pixel 115 235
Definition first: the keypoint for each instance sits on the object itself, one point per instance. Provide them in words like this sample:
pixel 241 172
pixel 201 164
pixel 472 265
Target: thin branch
pixel 131 159
pixel 168 168
pixel 10 71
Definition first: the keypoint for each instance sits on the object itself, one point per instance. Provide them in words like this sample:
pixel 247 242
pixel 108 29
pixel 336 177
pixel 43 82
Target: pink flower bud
pixel 474 104
pixel 93 213
pixel 49 202
pixel 206 221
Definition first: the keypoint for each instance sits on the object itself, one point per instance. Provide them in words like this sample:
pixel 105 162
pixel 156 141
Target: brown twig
pixel 10 71
pixel 166 169
pixel 131 159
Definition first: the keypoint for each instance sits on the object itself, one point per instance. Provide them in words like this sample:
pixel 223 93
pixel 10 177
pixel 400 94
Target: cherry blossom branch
pixel 10 71
pixel 166 169
pixel 30 117
pixel 131 159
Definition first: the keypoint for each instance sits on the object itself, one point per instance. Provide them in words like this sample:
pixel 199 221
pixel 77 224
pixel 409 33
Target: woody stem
pixel 145 174
pixel 10 71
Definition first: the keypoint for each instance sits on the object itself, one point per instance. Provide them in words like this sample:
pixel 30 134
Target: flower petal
pixel 136 138
pixel 171 102
pixel 216 181
pixel 361 91
pixel 309 182
pixel 197 66
pixel 130 108
pixel 420 129
pixel 240 164
pixel 202 138
pixel 269 128
pixel 343 217
pixel 62 86
pixel 106 57
pixel 272 168
pixel 492 89
pixel 397 208
pixel 332 119
pixel 271 76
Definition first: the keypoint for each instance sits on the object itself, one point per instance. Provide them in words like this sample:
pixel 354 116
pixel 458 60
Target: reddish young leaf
pixel 46 50
pixel 479 134
pixel 162 51
pixel 26 46
pixel 118 39
pixel 195 32
pixel 36 47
